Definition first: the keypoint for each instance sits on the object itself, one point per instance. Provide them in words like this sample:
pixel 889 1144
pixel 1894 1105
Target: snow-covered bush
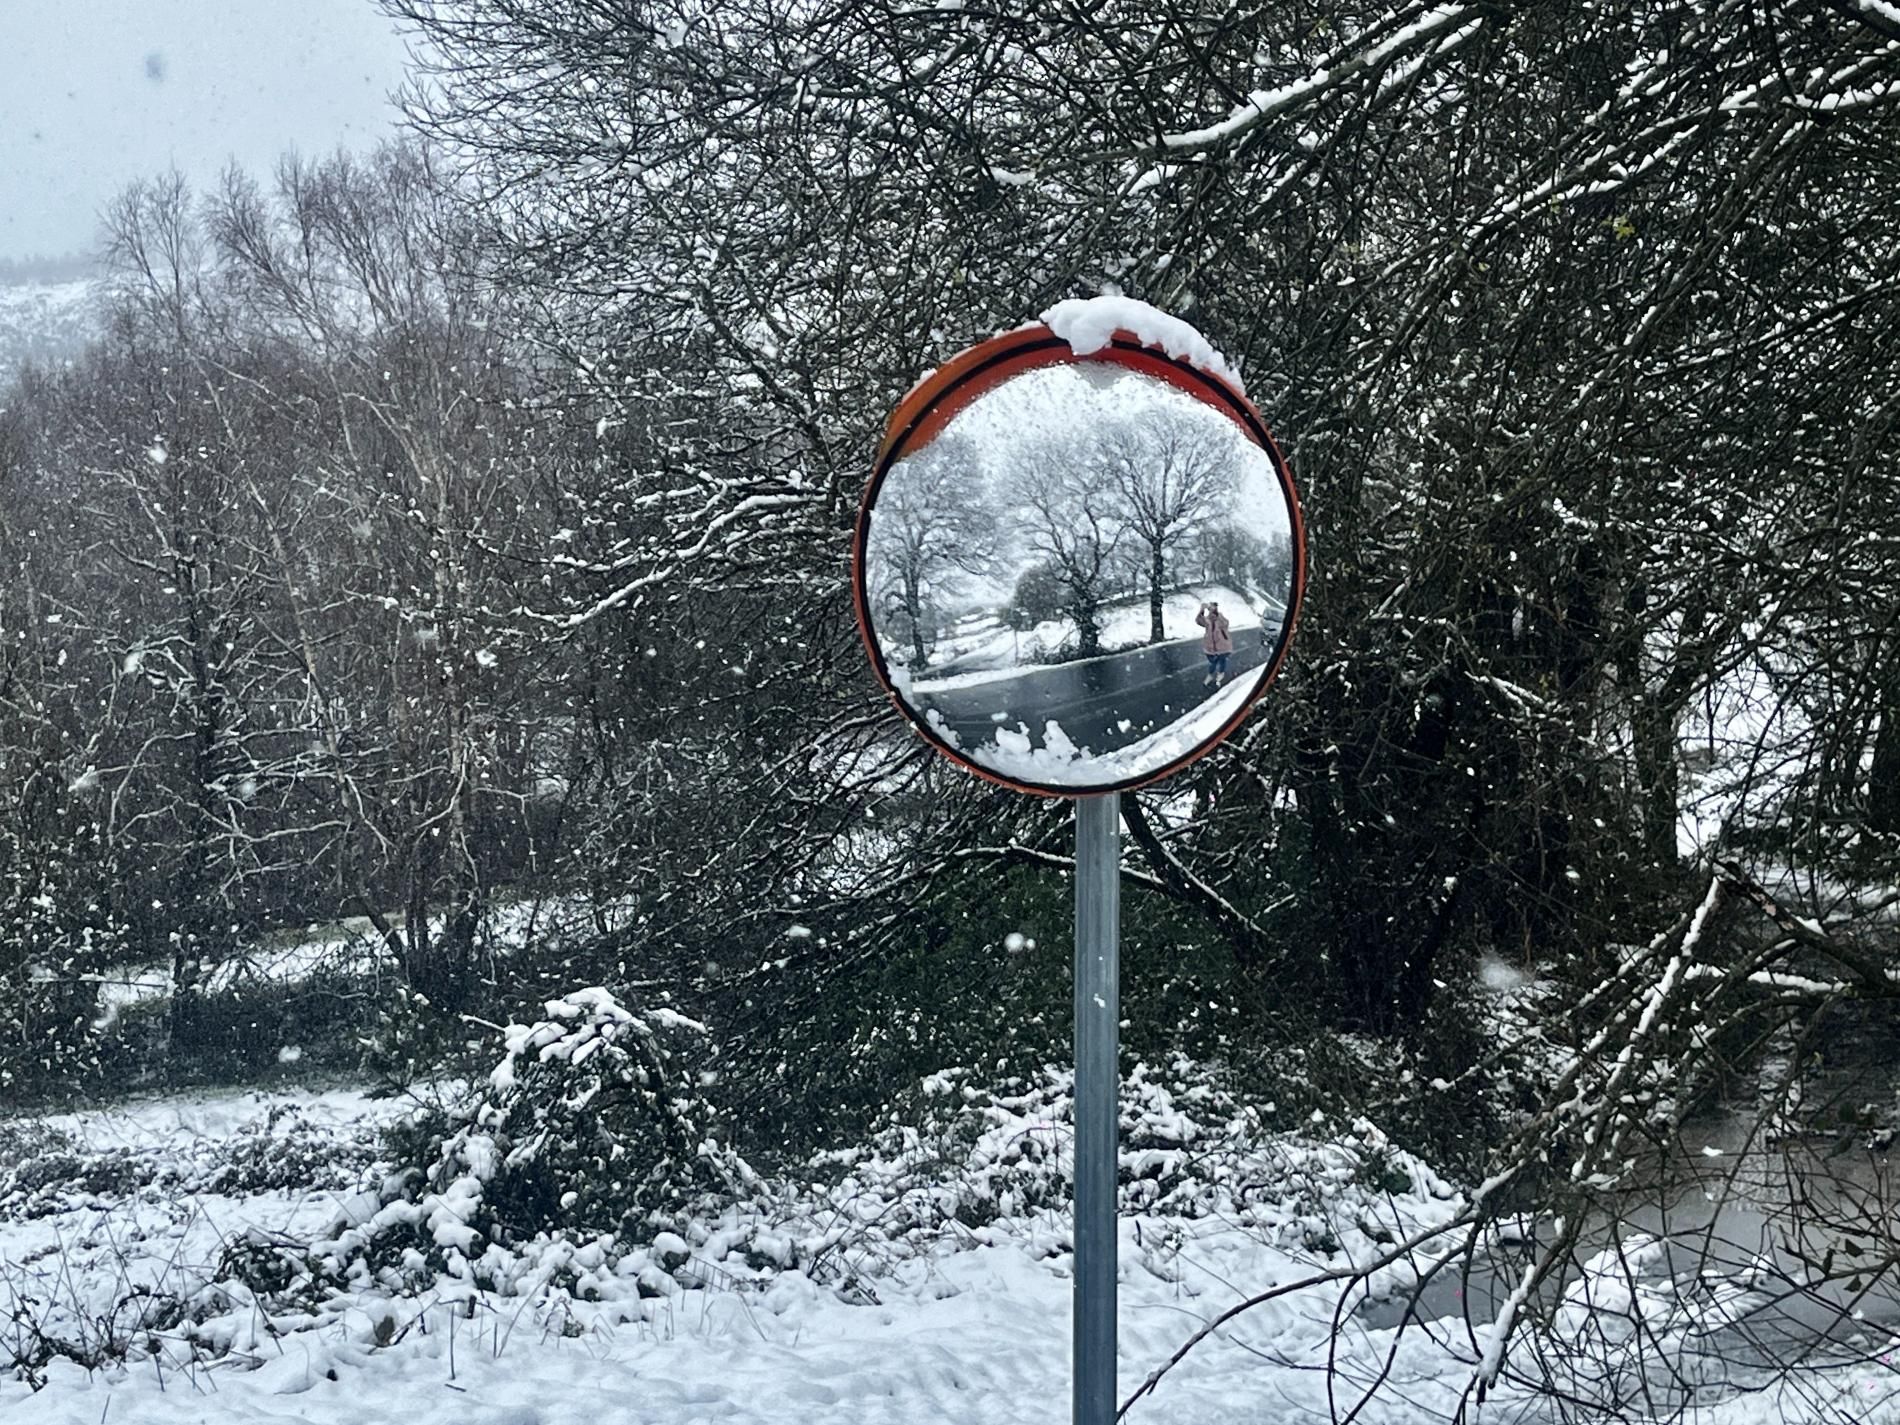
pixel 968 1155
pixel 580 1188
pixel 593 1119
pixel 591 1126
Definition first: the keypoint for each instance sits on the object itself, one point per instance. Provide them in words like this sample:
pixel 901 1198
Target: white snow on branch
pixel 1402 74
pixel 752 504
pixel 1263 104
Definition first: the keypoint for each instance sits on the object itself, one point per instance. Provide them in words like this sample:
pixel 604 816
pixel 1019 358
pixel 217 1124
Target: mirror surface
pixel 1082 579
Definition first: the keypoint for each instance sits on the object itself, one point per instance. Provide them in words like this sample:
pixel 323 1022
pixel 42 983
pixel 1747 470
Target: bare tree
pixel 1065 513
pixel 1172 476
pixel 933 524
pixel 406 396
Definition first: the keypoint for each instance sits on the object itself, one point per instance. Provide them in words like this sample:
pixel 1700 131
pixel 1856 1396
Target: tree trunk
pixel 422 966
pixel 455 947
pixel 914 608
pixel 1088 632
pixel 1883 778
pixel 1157 630
pixel 194 930
pixel 1653 741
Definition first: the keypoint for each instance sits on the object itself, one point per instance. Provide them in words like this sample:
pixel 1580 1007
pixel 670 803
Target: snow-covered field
pixel 348 947
pixel 984 649
pixel 860 1299
pixel 973 1328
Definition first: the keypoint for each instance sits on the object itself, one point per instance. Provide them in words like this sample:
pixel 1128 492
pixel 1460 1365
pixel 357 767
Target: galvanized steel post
pixel 1097 1129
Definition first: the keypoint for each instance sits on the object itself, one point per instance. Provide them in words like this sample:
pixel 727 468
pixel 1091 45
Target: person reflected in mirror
pixel 1217 642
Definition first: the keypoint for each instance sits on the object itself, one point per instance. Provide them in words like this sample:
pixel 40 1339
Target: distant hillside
pixel 43 321
pixel 47 270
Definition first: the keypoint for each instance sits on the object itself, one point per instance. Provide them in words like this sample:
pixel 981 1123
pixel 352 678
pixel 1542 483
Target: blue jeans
pixel 1217 665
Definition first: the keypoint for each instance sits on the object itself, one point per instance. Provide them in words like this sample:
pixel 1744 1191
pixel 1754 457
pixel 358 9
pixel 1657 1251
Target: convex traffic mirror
pixel 1080 558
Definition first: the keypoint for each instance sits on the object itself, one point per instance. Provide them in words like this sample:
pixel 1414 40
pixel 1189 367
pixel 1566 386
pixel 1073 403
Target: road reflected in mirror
pixel 1082 579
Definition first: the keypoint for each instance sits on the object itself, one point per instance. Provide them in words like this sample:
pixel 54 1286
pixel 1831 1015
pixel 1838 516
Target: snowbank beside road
pixel 1059 762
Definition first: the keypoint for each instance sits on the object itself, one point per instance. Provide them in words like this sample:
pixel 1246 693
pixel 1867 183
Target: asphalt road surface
pixel 1102 703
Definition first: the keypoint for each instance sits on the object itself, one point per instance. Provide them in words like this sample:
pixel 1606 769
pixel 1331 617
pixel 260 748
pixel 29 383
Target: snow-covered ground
pixel 969 1324
pixel 882 1305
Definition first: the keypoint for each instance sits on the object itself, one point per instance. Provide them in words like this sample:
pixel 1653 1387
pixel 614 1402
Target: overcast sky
pixel 94 93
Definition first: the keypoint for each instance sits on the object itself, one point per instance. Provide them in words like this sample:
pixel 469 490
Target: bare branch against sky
pixel 94 95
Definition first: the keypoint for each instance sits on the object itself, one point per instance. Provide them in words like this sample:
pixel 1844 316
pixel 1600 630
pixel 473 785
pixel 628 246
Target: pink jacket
pixel 1217 639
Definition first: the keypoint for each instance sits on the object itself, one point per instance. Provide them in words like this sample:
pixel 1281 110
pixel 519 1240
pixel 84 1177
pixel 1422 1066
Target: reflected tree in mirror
pixel 932 535
pixel 1053 499
pixel 1172 477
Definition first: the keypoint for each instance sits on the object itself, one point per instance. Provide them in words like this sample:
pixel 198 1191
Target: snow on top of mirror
pixel 1088 324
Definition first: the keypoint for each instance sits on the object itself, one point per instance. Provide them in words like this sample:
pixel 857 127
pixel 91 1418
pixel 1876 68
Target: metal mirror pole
pixel 1097 1030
